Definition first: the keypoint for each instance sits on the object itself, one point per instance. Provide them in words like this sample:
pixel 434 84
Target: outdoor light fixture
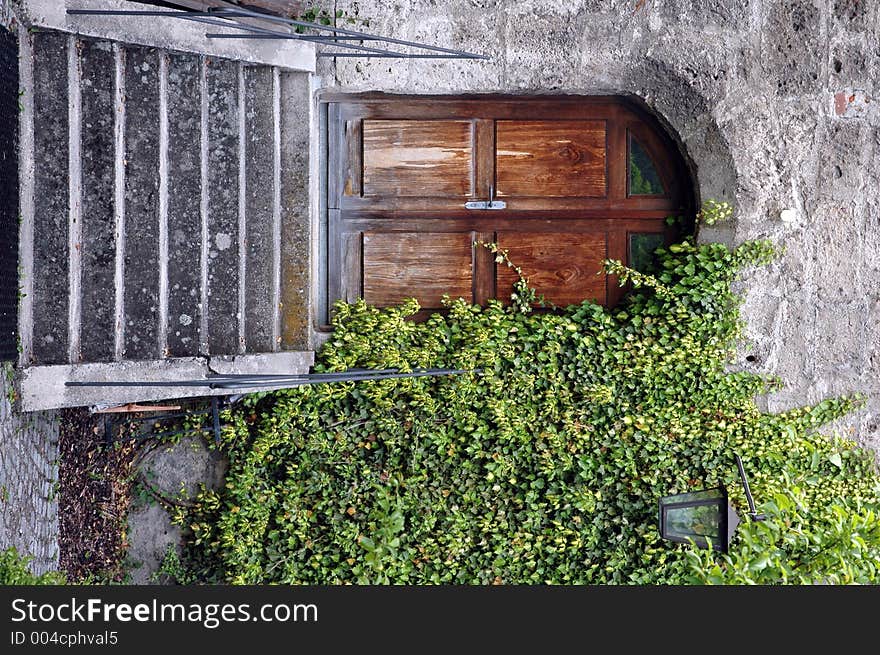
pixel 704 517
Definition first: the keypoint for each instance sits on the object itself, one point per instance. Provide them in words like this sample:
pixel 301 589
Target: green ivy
pixel 14 571
pixel 546 462
pixel 320 16
pixel 714 211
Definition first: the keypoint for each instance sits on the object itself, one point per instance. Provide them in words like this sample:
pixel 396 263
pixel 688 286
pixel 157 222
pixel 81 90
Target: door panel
pixel 420 265
pixel 551 158
pixel 417 158
pixel 566 268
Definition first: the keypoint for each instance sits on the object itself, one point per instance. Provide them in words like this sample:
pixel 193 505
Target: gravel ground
pixel 94 499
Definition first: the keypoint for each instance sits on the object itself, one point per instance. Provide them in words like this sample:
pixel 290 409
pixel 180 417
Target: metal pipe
pixel 137 12
pixel 303 381
pixel 342 30
pixel 269 34
pixel 259 381
pixel 742 474
pixel 390 55
pixel 338 374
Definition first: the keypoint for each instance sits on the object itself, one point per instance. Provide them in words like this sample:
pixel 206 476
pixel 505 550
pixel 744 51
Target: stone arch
pixel 687 116
pixel 685 113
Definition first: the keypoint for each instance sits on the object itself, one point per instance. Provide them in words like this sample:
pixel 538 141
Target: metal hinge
pixel 491 203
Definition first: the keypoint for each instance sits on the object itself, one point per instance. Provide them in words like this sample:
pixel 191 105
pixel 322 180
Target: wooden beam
pixel 134 407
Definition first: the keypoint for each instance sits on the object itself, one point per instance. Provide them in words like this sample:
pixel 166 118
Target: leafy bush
pixel 546 463
pixel 14 571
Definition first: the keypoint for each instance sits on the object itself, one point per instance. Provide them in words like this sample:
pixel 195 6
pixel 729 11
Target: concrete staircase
pixel 160 191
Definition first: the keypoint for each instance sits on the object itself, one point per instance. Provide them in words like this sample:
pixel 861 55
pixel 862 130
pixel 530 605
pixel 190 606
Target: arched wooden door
pixel 560 182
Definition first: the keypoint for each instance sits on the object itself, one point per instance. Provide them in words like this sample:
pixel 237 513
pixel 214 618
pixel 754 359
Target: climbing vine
pixel 545 463
pixel 14 570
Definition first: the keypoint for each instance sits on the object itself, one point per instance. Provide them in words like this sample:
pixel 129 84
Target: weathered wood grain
pixel 417 158
pixel 551 158
pixel 565 268
pixel 399 265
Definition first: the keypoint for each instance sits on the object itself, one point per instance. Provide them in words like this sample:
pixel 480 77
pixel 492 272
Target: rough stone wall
pixel 28 481
pixel 776 104
pixel 7 19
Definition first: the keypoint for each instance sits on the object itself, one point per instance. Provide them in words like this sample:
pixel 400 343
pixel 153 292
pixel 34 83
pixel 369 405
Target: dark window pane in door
pixel 641 249
pixel 643 177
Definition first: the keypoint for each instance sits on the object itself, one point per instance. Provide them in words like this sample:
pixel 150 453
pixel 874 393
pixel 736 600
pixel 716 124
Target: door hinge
pixel 485 204
pixel 491 203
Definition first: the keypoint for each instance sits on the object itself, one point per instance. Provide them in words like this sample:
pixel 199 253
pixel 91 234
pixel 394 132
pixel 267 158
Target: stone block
pixel 837 346
pixel 481 33
pixel 842 162
pixel 538 48
pixel 837 268
pixel 388 19
pixel 295 219
pixel 851 64
pixel 792 54
pixel 852 15
pixel 9 193
pixel 704 13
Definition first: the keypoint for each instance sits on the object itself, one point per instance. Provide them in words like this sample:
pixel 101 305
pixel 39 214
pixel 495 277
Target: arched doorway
pixel 562 183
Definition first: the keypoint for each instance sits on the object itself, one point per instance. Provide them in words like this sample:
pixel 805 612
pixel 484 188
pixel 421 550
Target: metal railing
pixel 250 383
pixel 339 37
pixel 242 382
pixel 112 421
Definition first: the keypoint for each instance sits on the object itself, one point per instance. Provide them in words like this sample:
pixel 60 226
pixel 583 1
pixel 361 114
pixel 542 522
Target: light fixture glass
pixel 704 517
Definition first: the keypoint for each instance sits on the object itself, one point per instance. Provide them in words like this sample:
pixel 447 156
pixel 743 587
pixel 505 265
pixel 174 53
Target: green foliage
pixel 811 537
pixel 523 297
pixel 173 569
pixel 14 571
pixel 546 462
pixel 643 178
pixel 714 211
pixel 314 15
pixel 319 16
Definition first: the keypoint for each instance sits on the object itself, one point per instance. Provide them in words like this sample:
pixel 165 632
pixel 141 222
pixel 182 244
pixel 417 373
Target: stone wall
pixel 7 19
pixel 28 480
pixel 775 103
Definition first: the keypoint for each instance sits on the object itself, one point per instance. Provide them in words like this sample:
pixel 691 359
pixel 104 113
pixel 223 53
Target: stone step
pixel 223 198
pixel 184 111
pixel 262 209
pixel 156 204
pixel 9 193
pixel 51 200
pixel 97 343
pixel 140 215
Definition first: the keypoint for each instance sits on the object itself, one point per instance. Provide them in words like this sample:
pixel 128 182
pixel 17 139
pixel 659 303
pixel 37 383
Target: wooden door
pixel 580 180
